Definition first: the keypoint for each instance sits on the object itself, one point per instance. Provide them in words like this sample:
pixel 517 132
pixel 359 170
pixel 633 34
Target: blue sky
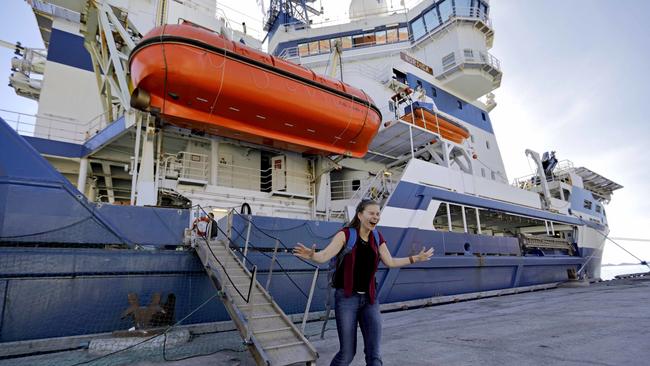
pixel 575 78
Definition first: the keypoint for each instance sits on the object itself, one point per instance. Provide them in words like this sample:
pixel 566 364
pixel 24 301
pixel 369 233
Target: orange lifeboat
pixel 197 79
pixel 426 118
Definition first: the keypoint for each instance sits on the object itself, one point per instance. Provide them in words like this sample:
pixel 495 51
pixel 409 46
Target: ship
pixel 151 115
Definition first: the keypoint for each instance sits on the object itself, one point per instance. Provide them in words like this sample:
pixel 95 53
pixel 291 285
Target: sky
pixel 575 77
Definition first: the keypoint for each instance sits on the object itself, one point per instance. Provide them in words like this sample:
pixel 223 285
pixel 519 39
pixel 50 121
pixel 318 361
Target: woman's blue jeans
pixel 350 311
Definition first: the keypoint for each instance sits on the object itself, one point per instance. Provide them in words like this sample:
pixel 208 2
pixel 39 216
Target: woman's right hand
pixel 304 252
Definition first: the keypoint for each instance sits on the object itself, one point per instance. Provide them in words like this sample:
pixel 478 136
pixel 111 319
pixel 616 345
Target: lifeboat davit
pixel 426 118
pixel 197 79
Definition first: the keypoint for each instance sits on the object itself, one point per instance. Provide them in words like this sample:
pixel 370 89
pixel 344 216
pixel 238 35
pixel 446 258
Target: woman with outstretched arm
pixel 354 280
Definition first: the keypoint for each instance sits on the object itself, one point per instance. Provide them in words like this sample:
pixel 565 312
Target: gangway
pixel 272 338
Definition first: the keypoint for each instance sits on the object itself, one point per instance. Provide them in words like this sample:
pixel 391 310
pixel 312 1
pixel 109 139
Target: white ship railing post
pixel 311 296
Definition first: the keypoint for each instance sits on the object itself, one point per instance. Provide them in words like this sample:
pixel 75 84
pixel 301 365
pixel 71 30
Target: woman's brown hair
pixel 355 223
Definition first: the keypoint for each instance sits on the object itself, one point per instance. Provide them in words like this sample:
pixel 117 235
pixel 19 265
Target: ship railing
pixel 532 180
pixel 53 127
pixel 196 167
pixel 338 20
pixel 458 13
pixel 358 189
pixel 468 56
pixel 233 235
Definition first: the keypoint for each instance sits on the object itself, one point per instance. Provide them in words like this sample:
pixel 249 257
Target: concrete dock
pixel 606 323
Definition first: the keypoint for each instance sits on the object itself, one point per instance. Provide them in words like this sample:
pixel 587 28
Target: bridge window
pixel 347 42
pixel 325 46
pixel 303 49
pixel 403 34
pixel 445 8
pixel 464 8
pixel 418 29
pixel 391 35
pixel 313 48
pixel 483 116
pixel 460 104
pixel 431 19
pixel 380 37
pixel 587 204
pixel 598 208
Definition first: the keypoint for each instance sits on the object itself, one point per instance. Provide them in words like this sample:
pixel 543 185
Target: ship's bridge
pixel 451 36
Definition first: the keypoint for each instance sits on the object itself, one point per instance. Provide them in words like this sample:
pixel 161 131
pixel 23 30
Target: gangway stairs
pixel 272 338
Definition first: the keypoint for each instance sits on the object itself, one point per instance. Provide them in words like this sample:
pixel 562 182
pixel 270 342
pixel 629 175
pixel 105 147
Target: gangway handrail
pixel 254 274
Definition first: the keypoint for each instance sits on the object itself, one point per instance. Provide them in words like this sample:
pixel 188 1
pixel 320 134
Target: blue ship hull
pixel 67 265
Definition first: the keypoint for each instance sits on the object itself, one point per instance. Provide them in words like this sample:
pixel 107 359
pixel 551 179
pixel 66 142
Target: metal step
pixel 274 340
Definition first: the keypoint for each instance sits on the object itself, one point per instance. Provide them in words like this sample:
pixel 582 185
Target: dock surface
pixel 606 323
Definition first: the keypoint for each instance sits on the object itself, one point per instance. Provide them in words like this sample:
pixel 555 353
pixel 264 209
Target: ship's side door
pixel 279 173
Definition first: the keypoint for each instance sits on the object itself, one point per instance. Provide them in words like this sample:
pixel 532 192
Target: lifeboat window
pixel 303 49
pixel 347 42
pixel 391 35
pixel 483 115
pixel 434 92
pixel 403 34
pixel 313 48
pixel 324 46
pixel 587 204
pixel 460 104
pixel 380 37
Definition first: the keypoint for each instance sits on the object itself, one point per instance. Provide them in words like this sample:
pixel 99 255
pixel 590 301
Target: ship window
pixel 445 10
pixel 431 19
pixel 347 42
pixel 356 183
pixel 483 172
pixel 361 40
pixel 441 221
pixel 403 34
pixel 487 144
pixel 303 49
pixel 434 92
pixel 463 8
pixel 391 35
pixel 399 76
pixel 417 27
pixel 587 204
pixel 598 208
pixel 483 116
pixel 493 176
pixel 324 46
pixel 456 214
pixel 469 54
pixel 380 37
pixel 460 104
pixel 313 48
pixel 567 194
pixel 470 219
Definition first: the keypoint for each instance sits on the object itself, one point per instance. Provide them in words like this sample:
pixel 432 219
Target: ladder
pixel 272 338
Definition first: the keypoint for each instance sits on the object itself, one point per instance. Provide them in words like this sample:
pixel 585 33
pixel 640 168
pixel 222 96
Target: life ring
pixel 196 225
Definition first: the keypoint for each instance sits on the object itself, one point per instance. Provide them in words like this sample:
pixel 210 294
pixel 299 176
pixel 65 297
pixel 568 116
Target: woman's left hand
pixel 423 255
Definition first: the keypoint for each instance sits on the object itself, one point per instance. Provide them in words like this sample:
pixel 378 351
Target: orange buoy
pixel 197 79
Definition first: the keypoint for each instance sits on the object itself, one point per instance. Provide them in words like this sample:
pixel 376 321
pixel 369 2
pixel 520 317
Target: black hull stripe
pixel 234 55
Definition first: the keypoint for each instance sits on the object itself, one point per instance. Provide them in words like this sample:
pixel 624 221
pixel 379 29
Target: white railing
pixel 531 180
pixel 469 56
pixel 54 128
pixel 370 187
pixel 186 165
